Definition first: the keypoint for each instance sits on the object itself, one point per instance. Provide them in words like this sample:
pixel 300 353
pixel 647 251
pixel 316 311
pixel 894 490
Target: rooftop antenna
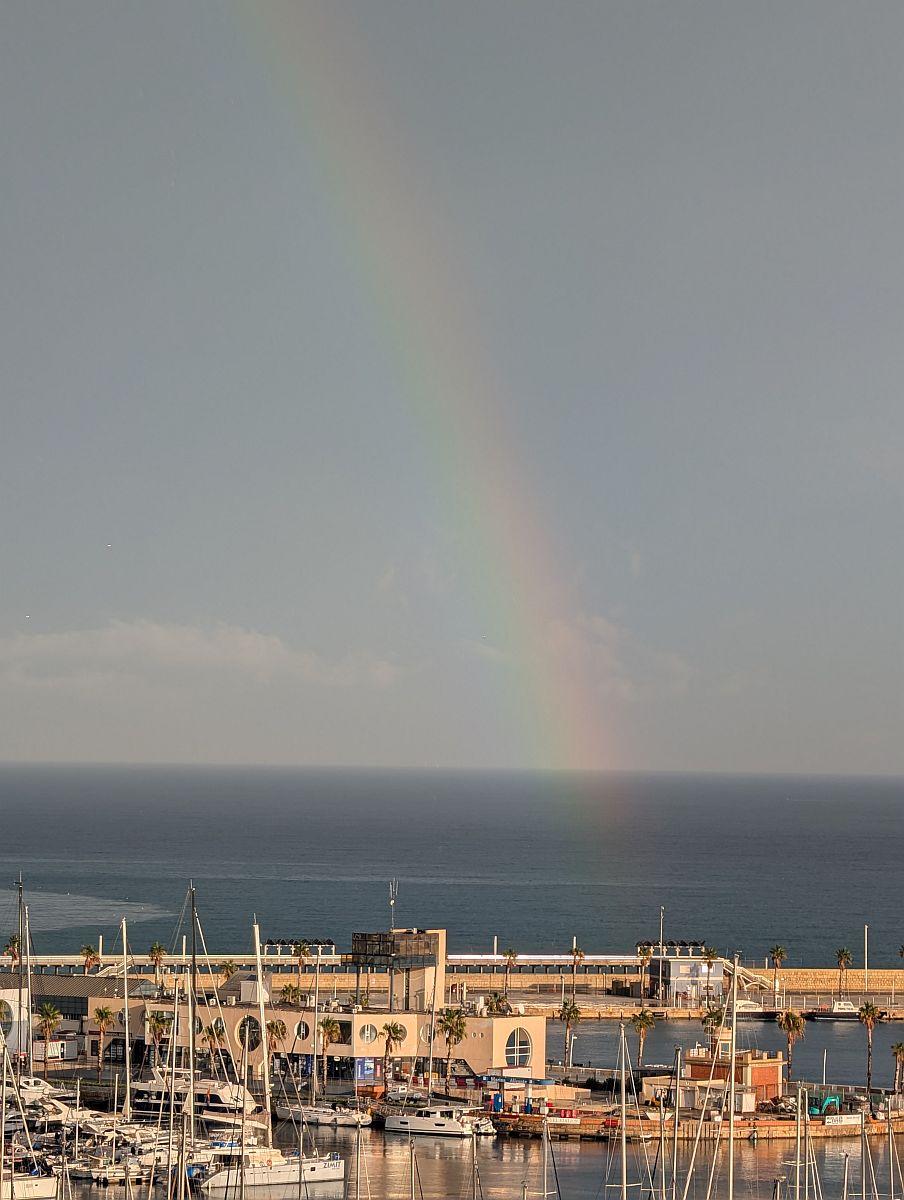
pixel 393 892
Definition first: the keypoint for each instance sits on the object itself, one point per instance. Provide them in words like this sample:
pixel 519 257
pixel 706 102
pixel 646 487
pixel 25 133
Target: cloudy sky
pixel 405 383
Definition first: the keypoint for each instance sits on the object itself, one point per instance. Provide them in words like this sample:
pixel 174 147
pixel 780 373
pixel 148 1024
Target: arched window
pixel 518 1048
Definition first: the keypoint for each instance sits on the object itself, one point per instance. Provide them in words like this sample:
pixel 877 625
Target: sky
pixel 416 384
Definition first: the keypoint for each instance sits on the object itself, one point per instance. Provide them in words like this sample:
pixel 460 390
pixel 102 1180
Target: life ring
pixel 269 1162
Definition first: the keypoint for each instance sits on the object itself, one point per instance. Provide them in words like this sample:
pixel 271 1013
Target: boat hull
pixel 279 1175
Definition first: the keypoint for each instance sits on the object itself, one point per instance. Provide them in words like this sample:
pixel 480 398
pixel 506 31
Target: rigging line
pixel 699 1134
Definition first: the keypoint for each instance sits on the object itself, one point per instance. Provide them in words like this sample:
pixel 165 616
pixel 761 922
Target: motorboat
pixel 323 1114
pixel 438 1121
pixel 839 1010
pixel 270 1169
pixel 216 1102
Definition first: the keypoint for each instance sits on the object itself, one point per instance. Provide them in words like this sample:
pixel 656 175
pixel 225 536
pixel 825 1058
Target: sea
pixel 533 860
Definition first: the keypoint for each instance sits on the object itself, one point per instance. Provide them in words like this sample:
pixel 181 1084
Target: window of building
pixel 368 1033
pixel 518 1048
pixel 249 1032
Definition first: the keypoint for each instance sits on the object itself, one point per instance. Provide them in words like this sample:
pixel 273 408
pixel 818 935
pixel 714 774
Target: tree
pixel 103 1019
pixel 498 1005
pixel 643 1022
pixel 12 948
pixel 90 956
pixel 394 1033
pixel 510 957
pixel 157 954
pixel 577 957
pixel 713 1017
pixel 290 993
pixel 570 1015
pixel 710 957
pixel 158 1027
pixel 49 1020
pixel 329 1033
pixel 844 958
pixel 453 1027
pixel 214 1038
pixel 778 954
pixel 792 1025
pixel 302 951
pixel 869 1017
pixel 898 1051
pixel 276 1035
pixel 227 970
pixel 645 954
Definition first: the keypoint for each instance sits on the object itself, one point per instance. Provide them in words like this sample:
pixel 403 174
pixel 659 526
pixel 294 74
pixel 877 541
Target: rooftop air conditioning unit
pixel 230 1001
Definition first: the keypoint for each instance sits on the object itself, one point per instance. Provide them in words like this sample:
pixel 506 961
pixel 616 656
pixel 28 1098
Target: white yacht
pixel 216 1102
pixel 263 1168
pixel 438 1121
pixel 322 1114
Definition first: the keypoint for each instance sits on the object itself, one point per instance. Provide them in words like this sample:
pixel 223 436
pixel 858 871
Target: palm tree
pixel 577 957
pixel 158 1027
pixel 643 1022
pixel 498 1005
pixel 394 1033
pixel 103 1019
pixel 49 1020
pixel 12 948
pixel 710 957
pixel 778 954
pixel 329 1032
pixel 302 951
pixel 276 1035
pixel 792 1025
pixel 290 993
pixel 898 1051
pixel 869 1016
pixel 844 958
pixel 713 1017
pixel 570 1015
pixel 453 1026
pixel 157 954
pixel 90 956
pixel 227 970
pixel 645 954
pixel 510 957
pixel 214 1037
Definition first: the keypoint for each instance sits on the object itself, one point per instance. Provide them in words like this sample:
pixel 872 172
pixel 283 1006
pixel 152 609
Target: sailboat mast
pixel 623 1047
pixel 127 1102
pixel 315 1030
pixel 732 1067
pixel 20 967
pixel 28 1034
pixel 192 1003
pixel 265 1041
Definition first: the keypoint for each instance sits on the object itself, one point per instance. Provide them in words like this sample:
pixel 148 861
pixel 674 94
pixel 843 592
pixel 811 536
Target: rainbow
pixel 424 313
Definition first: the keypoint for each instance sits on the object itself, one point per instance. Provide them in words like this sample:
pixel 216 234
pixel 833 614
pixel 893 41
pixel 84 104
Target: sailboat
pixel 15 1185
pixel 264 1166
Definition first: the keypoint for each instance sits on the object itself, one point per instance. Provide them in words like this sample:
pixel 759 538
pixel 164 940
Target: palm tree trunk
pixel 790 1053
pixel 869 1060
pixel 46 1044
pixel 641 1038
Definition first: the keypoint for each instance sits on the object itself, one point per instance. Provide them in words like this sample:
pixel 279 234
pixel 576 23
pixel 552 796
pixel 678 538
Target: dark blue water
pixel 535 858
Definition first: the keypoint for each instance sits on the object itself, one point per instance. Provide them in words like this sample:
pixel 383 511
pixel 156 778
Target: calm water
pixel 536 859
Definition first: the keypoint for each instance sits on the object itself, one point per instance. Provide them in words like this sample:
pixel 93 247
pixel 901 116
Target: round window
pixel 403 1033
pixel 6 1018
pixel 249 1033
pixel 425 1034
pixel 517 1048
pixel 302 1030
pixel 368 1033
